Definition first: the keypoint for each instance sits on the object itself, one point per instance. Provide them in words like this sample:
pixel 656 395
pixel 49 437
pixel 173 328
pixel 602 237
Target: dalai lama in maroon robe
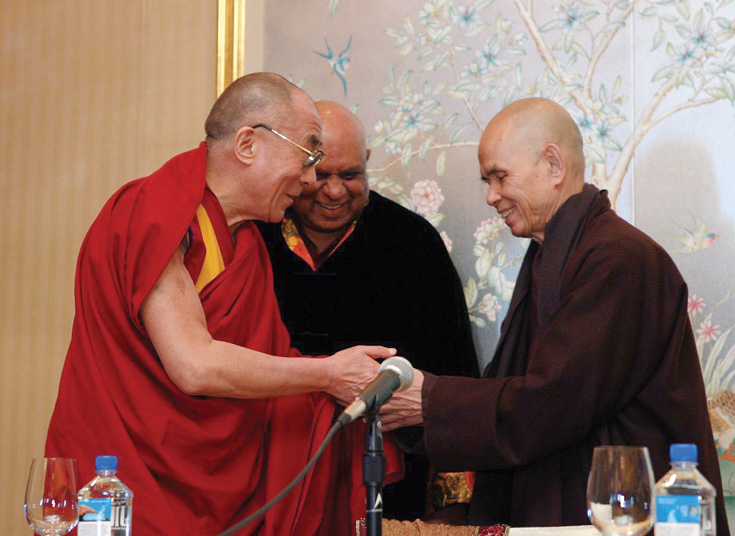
pixel 179 362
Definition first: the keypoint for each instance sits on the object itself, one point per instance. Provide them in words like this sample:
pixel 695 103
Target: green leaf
pixel 698 19
pixel 424 53
pixel 518 75
pixel 612 145
pixel 729 57
pixel 479 322
pixel 723 23
pixel 435 219
pixel 588 16
pixel 683 31
pixel 682 6
pixel 595 154
pixel 483 264
pixel 568 40
pixel 551 25
pixel 658 38
pixel 456 134
pixel 618 84
pixel 425 147
pixel 441 164
pixel 728 88
pixel 405 202
pixel 470 292
pixel 406 157
pixel 516 51
pixel 451 118
pixel 442 35
pixel 403 80
pixel 649 11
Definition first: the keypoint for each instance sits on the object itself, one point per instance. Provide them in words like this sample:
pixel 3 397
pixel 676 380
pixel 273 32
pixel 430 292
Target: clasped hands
pixel 350 370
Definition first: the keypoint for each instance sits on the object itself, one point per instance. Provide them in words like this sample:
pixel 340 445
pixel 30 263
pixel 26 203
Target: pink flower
pixel 427 196
pixel 447 240
pixel 708 331
pixel 488 230
pixel 695 304
pixel 489 306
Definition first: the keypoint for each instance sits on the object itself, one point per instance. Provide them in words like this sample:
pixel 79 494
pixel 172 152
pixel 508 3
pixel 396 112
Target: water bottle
pixel 685 500
pixel 105 503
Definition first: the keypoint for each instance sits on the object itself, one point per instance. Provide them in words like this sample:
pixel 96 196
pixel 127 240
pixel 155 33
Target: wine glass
pixel 51 496
pixel 620 491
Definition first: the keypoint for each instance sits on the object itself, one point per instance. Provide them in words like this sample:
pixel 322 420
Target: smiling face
pixel 282 174
pixel 519 179
pixel 327 207
pixel 531 159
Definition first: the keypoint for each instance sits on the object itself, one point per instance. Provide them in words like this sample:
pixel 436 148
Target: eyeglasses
pixel 314 156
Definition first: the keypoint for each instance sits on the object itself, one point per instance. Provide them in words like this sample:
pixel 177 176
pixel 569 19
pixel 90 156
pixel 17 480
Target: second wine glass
pixel 620 490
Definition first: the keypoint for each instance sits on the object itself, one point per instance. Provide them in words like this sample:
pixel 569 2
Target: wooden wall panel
pixel 93 93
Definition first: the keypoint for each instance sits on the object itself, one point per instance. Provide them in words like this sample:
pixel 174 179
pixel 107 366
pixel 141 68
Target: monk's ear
pixel 367 155
pixel 244 145
pixel 556 162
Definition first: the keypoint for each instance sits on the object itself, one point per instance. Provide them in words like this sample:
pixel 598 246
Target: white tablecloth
pixel 585 530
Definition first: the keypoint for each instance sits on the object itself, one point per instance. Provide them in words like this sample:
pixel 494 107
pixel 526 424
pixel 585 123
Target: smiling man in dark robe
pixel 596 349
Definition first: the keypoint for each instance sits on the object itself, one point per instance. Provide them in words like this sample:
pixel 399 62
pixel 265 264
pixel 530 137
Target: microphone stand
pixel 373 474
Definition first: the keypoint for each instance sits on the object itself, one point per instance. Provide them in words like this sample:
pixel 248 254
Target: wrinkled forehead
pixel 304 121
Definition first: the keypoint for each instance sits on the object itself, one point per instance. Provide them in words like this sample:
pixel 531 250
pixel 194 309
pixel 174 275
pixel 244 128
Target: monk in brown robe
pixel 596 349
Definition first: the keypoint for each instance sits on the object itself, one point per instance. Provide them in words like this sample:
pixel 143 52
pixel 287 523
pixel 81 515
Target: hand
pixel 404 408
pixel 352 369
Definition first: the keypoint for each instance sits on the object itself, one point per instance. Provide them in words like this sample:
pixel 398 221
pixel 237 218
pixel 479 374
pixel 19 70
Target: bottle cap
pixel 105 463
pixel 683 452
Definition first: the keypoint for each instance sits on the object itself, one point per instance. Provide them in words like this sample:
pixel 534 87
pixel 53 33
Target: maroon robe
pixel 599 352
pixel 195 464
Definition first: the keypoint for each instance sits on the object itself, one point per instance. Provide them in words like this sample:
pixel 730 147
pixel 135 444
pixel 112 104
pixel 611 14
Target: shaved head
pixel 340 122
pixel 532 159
pixel 534 123
pixel 249 100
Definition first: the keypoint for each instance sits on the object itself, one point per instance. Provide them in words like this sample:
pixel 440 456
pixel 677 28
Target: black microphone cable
pixel 340 423
pixel 404 374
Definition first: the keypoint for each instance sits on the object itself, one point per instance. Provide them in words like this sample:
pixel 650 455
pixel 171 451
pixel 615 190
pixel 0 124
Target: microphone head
pixel 402 367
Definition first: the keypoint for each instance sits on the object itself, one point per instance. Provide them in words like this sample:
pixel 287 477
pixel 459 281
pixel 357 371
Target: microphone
pixel 394 375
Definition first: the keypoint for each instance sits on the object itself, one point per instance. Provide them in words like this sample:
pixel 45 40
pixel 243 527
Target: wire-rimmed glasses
pixel 314 156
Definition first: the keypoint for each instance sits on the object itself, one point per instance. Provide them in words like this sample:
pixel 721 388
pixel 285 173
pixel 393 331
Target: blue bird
pixel 340 63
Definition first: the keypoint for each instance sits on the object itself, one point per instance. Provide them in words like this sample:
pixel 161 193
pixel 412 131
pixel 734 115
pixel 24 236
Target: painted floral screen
pixel 651 84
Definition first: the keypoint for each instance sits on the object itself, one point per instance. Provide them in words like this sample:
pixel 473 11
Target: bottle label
pixel 677 515
pixel 95 517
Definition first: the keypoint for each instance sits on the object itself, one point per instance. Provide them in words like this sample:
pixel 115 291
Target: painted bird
pixel 696 239
pixel 339 64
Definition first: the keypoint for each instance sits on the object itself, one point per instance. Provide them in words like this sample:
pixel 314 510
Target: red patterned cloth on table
pixel 419 528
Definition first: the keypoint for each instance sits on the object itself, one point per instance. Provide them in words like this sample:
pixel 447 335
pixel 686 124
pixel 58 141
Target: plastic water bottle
pixel 685 500
pixel 105 503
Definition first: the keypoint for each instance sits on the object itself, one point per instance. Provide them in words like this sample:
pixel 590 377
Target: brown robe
pixel 597 348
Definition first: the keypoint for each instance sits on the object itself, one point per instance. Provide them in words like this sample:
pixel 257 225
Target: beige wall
pixel 92 93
